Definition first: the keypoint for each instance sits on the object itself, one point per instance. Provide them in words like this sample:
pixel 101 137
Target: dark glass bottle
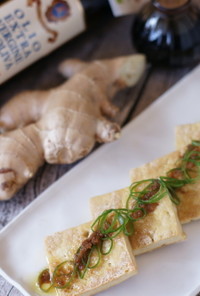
pixel 168 32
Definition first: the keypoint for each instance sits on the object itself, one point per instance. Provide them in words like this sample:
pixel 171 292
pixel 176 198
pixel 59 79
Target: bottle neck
pixel 171 5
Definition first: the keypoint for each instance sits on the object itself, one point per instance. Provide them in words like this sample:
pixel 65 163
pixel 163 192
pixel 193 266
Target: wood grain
pixel 110 38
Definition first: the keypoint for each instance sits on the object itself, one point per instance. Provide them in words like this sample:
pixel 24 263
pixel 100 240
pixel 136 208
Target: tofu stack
pixel 160 227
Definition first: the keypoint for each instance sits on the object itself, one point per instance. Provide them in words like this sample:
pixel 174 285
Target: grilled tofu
pixel 189 195
pixel 113 268
pixel 158 228
pixel 186 133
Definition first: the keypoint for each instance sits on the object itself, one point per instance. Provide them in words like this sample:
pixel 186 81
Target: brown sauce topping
pixel 177 173
pixel 44 278
pixel 82 255
pixel 153 189
pixel 149 208
pixel 193 148
pixel 60 280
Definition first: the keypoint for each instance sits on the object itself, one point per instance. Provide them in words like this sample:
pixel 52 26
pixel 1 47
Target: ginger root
pixel 61 125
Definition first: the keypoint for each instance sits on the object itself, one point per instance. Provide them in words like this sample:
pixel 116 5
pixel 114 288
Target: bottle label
pixel 172 4
pixel 123 7
pixel 30 29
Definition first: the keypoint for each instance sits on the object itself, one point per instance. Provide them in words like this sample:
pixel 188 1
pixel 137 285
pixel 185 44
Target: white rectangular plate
pixel 172 270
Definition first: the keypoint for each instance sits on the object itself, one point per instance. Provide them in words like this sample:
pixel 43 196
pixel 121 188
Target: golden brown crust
pixel 114 200
pixel 155 168
pixel 113 269
pixel 161 227
pixel 189 207
pixel 186 133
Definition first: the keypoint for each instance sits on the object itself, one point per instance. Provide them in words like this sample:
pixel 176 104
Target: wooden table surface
pixel 110 37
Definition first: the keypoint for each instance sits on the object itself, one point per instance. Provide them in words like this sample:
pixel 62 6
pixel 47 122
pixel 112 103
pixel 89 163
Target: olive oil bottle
pixel 31 29
pixel 168 32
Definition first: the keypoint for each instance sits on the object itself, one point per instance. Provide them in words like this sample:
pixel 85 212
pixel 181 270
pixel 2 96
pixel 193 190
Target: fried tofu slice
pixel 158 228
pixel 186 133
pixel 113 268
pixel 189 195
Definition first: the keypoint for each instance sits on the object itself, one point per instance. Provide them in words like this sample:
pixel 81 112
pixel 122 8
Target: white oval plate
pixel 172 270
